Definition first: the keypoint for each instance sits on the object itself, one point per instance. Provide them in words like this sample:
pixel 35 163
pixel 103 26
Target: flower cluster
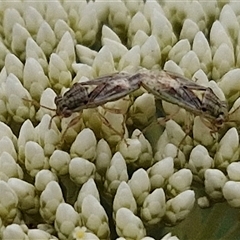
pixel 113 174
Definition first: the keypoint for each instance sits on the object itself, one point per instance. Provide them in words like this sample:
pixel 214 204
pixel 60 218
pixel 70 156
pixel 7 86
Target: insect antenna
pixel 37 104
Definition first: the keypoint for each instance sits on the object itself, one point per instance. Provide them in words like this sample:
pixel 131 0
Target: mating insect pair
pixel 170 87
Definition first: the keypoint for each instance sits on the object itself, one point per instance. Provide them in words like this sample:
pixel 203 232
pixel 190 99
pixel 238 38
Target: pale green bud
pixel 233 171
pixel 9 166
pixel 214 181
pixel 80 233
pixel 34 78
pixel 103 158
pixel 179 50
pixel 59 75
pixel 28 201
pixel 85 54
pixel 8 202
pixel 95 217
pixel 34 51
pixel 124 198
pixel 14 65
pixel 80 170
pixel 153 208
pixel 59 162
pixel 140 185
pixel 66 220
pixel 169 237
pixel 228 149
pixel 179 207
pixel 116 173
pixel 36 234
pixel 42 178
pixel 231 192
pixel 35 159
pixel 179 182
pixel 103 63
pixel 134 229
pixel 8 146
pixel 84 145
pixel 46 38
pixel 88 188
pixel 189 30
pixel 14 232
pixel 50 198
pixel 199 161
pixel 160 172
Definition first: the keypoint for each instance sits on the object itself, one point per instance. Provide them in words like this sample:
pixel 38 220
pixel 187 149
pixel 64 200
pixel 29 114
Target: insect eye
pixel 204 109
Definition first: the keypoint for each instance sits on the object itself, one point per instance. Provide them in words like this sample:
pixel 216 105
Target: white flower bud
pixel 229 21
pixel 103 63
pixel 35 159
pixel 107 32
pixel 50 198
pixel 231 192
pixel 33 19
pixel 179 50
pixel 116 173
pixel 189 30
pixel 143 109
pixel 34 78
pixel 189 63
pixel 95 217
pixel 116 48
pixel 28 201
pixel 19 38
pixel 8 202
pixel 59 74
pixel 42 178
pixel 223 60
pixel 162 29
pixel 26 134
pixel 88 25
pixel 124 198
pixel 10 17
pixel 88 188
pixel 84 145
pixel 14 94
pixel 150 53
pixel 201 47
pixel 34 51
pixel 9 166
pixel 218 36
pixel 66 220
pixel 214 181
pixel 153 208
pixel 134 229
pixel 7 146
pixel 130 149
pixel 14 231
pixel 233 171
pixel 179 207
pixel 66 51
pixel 80 170
pixel 160 172
pixel 228 149
pixel 179 182
pixel 85 54
pixel 36 234
pixel 46 38
pixel 103 158
pixel 199 161
pixel 203 202
pixel 118 17
pixel 130 59
pixel 59 162
pixel 200 130
pixel 138 22
pixel 14 65
pixel 140 185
